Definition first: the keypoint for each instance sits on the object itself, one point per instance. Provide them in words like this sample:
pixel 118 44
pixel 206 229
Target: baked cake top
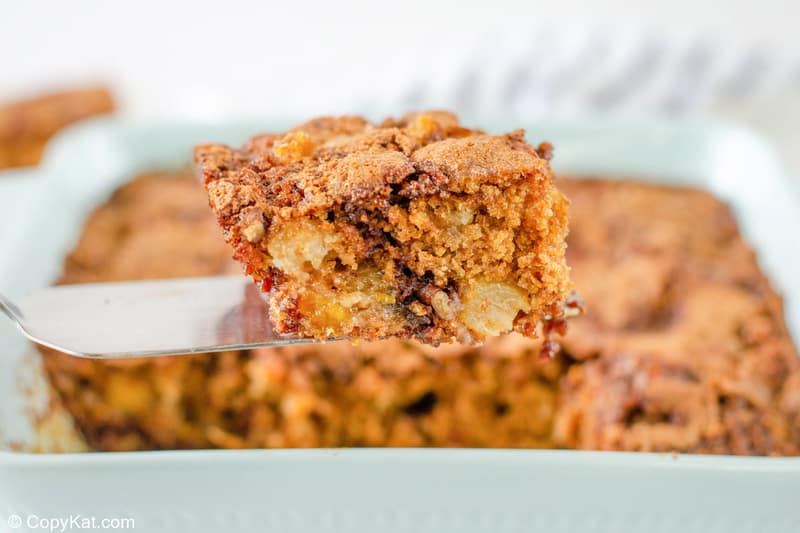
pixel 351 163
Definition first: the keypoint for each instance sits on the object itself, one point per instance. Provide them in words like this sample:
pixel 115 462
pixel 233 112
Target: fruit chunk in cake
pixel 416 228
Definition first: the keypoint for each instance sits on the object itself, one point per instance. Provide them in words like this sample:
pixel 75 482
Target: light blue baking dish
pixel 415 490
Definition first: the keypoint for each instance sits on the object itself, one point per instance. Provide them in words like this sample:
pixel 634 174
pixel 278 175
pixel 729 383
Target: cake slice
pixel 416 228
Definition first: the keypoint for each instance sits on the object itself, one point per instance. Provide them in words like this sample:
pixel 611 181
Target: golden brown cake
pixel 26 126
pixel 683 347
pixel 417 228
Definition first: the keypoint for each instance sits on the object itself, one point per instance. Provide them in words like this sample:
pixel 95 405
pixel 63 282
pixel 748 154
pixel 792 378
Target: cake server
pixel 147 318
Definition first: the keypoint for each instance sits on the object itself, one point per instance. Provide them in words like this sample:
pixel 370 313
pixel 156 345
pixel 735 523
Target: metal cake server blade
pixel 147 318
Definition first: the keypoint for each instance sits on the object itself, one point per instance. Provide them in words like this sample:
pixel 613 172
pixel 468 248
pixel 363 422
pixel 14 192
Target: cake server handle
pixel 10 310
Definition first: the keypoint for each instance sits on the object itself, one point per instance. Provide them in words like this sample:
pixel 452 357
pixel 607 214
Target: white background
pixel 294 49
pixel 230 58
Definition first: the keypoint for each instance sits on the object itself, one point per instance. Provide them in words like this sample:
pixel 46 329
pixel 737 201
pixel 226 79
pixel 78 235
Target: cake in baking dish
pixel 683 347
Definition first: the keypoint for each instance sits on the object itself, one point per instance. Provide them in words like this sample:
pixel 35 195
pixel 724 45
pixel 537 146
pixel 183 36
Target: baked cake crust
pixel 417 228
